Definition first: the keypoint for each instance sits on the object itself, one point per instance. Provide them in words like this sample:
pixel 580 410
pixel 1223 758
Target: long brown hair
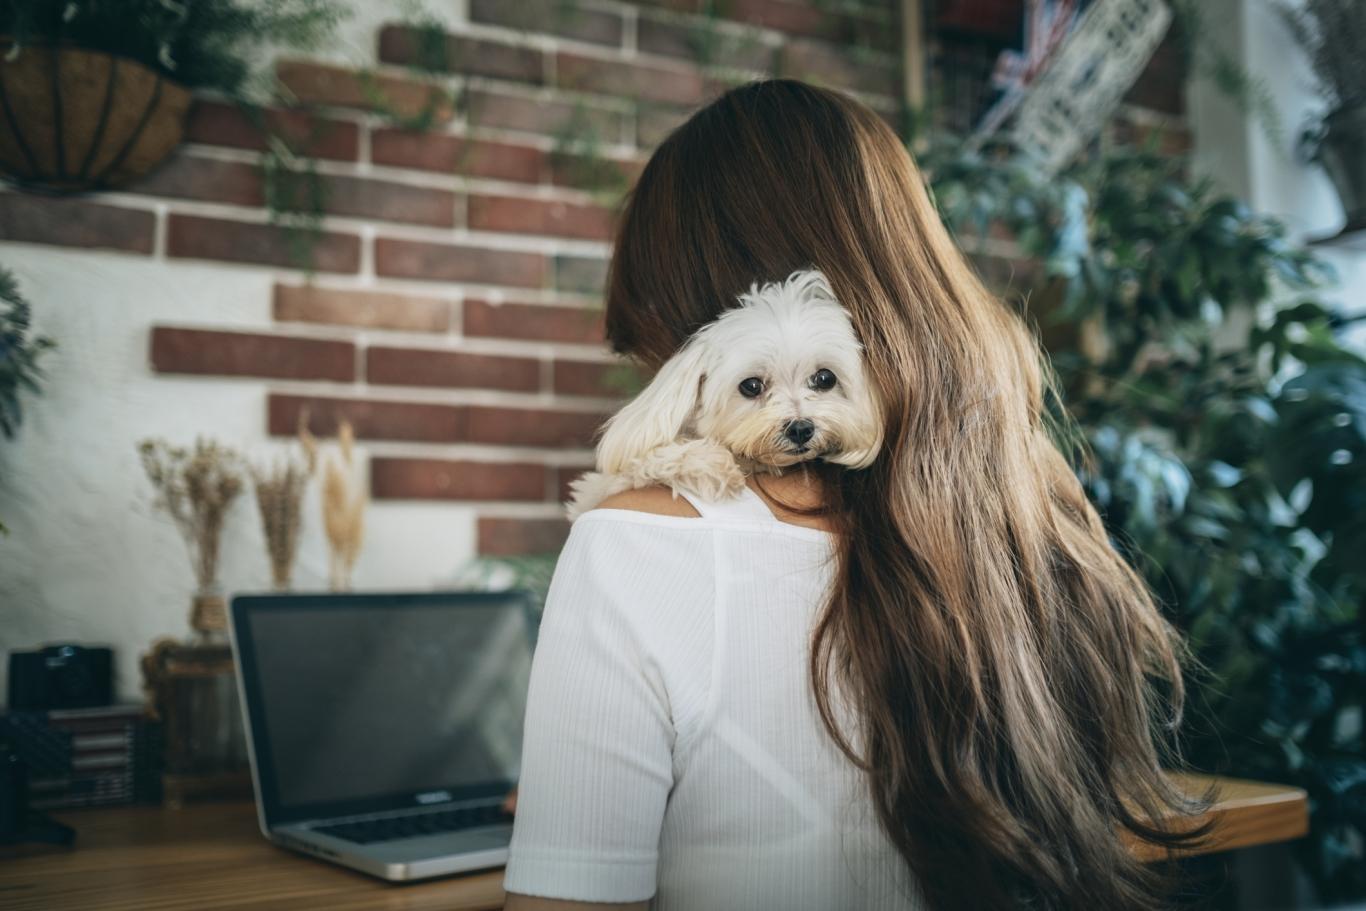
pixel 1010 673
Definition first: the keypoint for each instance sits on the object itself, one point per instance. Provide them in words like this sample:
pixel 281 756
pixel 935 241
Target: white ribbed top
pixel 673 749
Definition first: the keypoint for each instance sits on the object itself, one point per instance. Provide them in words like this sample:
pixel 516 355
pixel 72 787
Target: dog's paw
pixel 590 489
pixel 699 467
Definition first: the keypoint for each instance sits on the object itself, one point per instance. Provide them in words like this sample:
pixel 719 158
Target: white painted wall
pixel 88 560
pixel 1236 151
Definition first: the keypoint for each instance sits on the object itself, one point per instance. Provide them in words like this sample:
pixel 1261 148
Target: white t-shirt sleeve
pixel 597 759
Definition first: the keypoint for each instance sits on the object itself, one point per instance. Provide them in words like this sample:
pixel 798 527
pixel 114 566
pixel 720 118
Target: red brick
pixel 705 44
pixel 655 122
pixel 75 223
pixel 997 21
pixel 825 64
pixel 424 422
pixel 457 155
pixel 427 261
pixel 365 309
pixel 580 274
pixel 599 173
pixel 501 537
pixel 533 322
pixel 215 353
pixel 412 367
pixel 531 426
pixel 867 28
pixel 673 85
pixel 563 478
pixel 186 176
pixel 1162 84
pixel 196 237
pixel 372 419
pixel 316 83
pixel 487 107
pixel 216 123
pixel 678 6
pixel 460 54
pixel 239 183
pixel 800 18
pixel 555 17
pixel 539 216
pixel 384 200
pixel 440 479
pixel 605 380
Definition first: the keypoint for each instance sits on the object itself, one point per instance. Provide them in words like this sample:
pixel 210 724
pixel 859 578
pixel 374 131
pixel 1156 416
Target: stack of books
pixel 104 756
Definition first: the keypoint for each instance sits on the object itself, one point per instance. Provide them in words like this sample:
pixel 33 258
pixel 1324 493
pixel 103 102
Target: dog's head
pixel 778 380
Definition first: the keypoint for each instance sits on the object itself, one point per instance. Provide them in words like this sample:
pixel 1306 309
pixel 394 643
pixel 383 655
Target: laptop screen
pixel 368 702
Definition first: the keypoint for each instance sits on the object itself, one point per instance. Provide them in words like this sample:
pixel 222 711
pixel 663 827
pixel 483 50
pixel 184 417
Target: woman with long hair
pixel 928 683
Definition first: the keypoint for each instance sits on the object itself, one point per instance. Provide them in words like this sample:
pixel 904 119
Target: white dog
pixel 773 382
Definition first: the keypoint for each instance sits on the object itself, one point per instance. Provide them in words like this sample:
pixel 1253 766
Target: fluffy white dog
pixel 776 381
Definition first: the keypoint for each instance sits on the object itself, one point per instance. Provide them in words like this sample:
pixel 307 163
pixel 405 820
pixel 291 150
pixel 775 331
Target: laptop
pixel 385 730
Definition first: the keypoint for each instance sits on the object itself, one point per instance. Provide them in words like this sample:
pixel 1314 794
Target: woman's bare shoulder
pixel 657 500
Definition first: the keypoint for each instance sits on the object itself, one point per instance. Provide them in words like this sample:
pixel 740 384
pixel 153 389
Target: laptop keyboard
pixel 392 828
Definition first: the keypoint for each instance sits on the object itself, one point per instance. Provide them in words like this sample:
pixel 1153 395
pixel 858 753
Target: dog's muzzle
pixel 799 432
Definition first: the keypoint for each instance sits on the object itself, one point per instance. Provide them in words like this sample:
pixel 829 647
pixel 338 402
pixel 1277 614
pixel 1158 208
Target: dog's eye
pixel 751 387
pixel 823 379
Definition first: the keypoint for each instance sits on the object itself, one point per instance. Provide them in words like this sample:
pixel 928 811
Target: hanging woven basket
pixel 73 120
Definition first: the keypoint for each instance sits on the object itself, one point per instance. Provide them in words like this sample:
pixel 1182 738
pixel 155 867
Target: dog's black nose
pixel 799 431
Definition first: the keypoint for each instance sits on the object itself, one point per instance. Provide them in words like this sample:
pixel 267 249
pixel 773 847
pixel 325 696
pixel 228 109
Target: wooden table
pixel 211 857
pixel 1249 814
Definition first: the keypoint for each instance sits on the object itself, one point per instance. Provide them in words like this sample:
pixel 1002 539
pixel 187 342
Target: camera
pixel 60 677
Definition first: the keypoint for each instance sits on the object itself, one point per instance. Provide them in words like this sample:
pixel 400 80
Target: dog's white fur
pixel 691 429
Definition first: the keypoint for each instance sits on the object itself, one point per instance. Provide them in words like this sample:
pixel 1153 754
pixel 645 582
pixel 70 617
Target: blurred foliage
pixel 1223 421
pixel 20 352
pixel 527 572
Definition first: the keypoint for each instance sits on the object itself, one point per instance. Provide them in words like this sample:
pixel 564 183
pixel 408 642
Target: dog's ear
pixel 658 414
pixel 862 438
pixel 811 284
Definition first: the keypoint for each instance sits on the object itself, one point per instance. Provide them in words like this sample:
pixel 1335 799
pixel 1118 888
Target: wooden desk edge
pixel 1254 813
pixel 212 856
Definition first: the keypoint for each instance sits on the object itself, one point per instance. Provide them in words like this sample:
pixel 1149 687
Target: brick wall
pixel 452 310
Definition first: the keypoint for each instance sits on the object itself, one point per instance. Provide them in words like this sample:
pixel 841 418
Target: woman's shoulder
pixel 653 571
pixel 657 501
pixel 635 529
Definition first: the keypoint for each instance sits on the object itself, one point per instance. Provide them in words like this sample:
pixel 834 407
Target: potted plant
pixel 1333 34
pixel 280 485
pixel 94 93
pixel 196 487
pixel 343 500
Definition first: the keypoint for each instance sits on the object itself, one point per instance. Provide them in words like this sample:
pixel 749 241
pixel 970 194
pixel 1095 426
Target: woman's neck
pixel 798 488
